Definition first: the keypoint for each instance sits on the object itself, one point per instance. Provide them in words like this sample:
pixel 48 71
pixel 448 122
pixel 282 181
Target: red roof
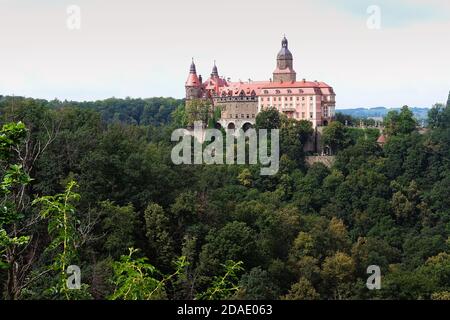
pixel 298 84
pixel 381 139
pixel 235 88
pixel 192 80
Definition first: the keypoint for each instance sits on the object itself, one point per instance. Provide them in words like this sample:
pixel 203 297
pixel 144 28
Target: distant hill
pixel 419 113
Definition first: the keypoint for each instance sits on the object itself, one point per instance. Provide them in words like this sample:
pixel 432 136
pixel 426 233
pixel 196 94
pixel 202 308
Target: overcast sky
pixel 142 48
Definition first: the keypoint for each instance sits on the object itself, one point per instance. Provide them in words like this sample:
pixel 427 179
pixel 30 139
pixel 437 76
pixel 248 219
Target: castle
pixel 240 101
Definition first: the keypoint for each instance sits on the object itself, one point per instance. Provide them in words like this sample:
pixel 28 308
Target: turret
pixel 193 84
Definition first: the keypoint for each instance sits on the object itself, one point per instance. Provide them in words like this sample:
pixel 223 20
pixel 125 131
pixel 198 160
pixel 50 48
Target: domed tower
pixel 193 85
pixel 285 61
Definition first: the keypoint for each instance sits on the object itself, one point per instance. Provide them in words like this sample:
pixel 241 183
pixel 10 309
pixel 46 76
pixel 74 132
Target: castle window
pixel 242 115
pixel 303 115
pixel 248 116
pixel 291 98
pixel 277 91
pixel 266 91
pixel 311 115
pixel 303 98
pixel 289 91
pixel 311 98
pixel 253 115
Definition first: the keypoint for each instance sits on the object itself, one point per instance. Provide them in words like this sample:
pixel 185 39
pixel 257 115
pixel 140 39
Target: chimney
pixel 200 79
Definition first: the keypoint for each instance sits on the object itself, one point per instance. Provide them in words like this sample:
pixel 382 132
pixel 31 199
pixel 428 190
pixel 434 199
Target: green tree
pixel 223 287
pixel 338 272
pixel 439 116
pixel 245 177
pixel 293 137
pixel 118 225
pixel 198 110
pixel 400 123
pixel 235 241
pixel 136 279
pixel 268 119
pixel 258 285
pixel 59 210
pixel 334 136
pixel 180 116
pixel 368 251
pixel 339 237
pixel 14 179
pixel 158 232
pixel 302 290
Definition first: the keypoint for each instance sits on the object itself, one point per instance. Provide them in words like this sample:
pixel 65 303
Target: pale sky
pixel 143 48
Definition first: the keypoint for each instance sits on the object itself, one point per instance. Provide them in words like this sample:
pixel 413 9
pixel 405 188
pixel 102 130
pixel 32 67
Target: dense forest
pixel 93 185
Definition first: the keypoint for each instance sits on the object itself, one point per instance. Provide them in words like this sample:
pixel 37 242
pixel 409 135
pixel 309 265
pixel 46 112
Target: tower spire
pixel 215 72
pixel 284 42
pixel 193 70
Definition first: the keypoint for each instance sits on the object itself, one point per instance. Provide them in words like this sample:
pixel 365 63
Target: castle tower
pixel 193 84
pixel 285 69
pixel 215 72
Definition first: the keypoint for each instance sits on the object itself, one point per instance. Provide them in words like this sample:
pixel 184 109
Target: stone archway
pixel 247 126
pixel 231 126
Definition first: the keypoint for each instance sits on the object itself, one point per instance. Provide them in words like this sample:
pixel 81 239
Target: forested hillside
pixel 82 183
pixel 152 111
